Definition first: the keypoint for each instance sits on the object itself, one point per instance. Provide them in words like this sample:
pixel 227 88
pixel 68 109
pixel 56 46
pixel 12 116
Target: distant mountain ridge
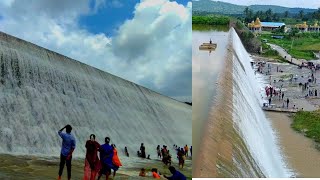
pixel 218 7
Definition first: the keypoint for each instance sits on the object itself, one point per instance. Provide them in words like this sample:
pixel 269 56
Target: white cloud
pixel 6 2
pixel 153 49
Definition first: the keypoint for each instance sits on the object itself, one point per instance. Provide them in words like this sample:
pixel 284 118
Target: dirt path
pixel 300 151
pixel 285 55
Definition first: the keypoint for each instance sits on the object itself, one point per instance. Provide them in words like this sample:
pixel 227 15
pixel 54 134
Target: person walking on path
pixel 176 175
pixel 282 95
pixel 106 155
pixel 68 146
pixel 287 103
pixel 115 160
pixel 92 162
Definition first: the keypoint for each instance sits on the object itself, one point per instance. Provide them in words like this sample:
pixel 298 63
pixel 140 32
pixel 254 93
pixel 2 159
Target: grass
pixel 270 53
pixel 308 123
pixel 248 39
pixel 303 45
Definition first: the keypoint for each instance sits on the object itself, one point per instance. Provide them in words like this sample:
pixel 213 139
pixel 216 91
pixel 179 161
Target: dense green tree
pixel 248 13
pixel 268 15
pixel 275 17
pixel 301 14
pixel 286 14
pixel 293 32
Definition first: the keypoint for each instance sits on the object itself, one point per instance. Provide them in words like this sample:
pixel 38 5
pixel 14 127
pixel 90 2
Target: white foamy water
pixel 42 91
pixel 250 119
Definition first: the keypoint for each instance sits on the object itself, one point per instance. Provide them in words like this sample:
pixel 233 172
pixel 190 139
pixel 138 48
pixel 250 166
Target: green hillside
pixel 218 7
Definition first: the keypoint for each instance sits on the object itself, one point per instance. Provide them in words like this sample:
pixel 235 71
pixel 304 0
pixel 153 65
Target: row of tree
pixel 210 20
pixel 268 15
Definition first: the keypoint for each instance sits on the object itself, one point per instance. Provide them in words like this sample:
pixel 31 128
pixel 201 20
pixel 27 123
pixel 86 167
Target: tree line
pixel 270 16
pixel 211 20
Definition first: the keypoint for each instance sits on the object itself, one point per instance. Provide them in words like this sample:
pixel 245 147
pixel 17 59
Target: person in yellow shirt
pixel 186 149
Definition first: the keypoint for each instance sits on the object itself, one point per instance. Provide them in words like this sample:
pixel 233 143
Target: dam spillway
pixel 41 91
pixel 238 140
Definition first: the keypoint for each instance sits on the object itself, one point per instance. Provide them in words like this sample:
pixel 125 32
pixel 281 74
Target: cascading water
pixel 249 118
pixel 42 91
pixel 238 140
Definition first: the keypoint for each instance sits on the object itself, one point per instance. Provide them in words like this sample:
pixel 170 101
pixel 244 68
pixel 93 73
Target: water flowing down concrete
pixel 250 119
pixel 42 91
pixel 238 139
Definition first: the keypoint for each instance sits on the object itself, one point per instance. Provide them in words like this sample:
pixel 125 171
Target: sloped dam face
pixel 42 91
pixel 238 140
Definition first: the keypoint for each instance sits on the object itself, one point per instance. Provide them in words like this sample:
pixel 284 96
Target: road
pixel 285 55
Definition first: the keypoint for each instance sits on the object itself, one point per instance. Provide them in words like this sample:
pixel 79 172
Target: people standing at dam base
pixel 92 162
pixel 68 146
pixel 181 157
pixel 159 151
pixel 186 149
pixel 106 155
pixel 142 151
pixel 126 151
pixel 115 160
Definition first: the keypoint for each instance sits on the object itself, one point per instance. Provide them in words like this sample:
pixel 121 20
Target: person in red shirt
pixel 155 173
pixel 92 162
pixel 115 160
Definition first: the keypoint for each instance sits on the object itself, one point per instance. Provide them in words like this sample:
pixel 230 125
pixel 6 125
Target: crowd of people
pixel 108 158
pixel 108 161
pixel 275 91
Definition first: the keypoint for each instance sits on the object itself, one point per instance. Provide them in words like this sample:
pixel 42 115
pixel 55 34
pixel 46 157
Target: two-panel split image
pixel 159 89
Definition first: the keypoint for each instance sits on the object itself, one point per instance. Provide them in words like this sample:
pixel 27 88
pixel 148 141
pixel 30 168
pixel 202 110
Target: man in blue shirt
pixel 68 146
pixel 176 175
pixel 106 154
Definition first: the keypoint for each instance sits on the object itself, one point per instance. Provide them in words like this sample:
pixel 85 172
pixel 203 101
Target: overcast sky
pixel 313 4
pixel 147 42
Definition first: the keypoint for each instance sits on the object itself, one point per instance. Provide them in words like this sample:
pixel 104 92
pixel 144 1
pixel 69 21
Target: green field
pixel 308 123
pixel 303 45
pixel 270 53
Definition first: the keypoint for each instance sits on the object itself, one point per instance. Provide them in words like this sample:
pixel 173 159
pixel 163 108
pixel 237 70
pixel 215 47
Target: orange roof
pixel 256 24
